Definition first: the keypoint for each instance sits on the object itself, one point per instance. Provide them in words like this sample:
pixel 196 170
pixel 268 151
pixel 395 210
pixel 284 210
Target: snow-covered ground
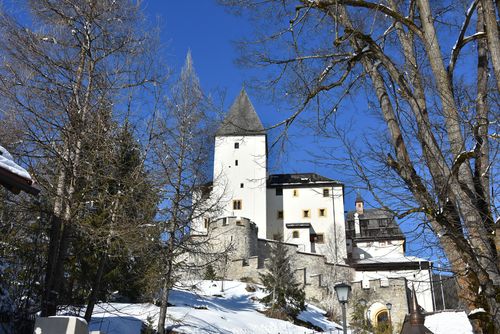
pixel 448 322
pixel 206 310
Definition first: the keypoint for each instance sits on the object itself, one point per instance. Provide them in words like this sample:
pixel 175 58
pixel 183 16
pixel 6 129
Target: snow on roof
pixel 448 322
pixel 7 163
pixel 391 259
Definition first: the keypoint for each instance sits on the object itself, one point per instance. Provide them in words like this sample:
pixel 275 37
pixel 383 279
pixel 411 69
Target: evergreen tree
pixel 285 298
pixel 210 273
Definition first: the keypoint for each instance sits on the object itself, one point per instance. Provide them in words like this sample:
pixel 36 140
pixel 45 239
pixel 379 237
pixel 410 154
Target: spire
pixel 359 203
pixel 241 119
pixel 358 196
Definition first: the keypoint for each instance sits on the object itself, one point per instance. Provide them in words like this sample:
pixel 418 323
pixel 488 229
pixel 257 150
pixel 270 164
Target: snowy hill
pixel 206 310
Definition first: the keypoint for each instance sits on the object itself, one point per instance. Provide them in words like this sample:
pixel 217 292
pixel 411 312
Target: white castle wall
pixel 310 198
pixel 244 180
pixel 420 278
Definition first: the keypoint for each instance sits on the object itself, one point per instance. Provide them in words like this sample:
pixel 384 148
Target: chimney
pixel 359 204
pixel 357 229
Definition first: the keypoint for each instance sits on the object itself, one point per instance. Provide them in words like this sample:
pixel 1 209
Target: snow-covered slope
pixel 208 310
pixel 448 322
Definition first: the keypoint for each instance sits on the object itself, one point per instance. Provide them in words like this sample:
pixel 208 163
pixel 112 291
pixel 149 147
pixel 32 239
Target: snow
pixel 448 322
pixel 7 162
pixel 206 310
pixel 477 310
pixel 391 259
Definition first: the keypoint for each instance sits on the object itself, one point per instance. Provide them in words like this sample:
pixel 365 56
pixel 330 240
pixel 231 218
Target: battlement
pixel 233 221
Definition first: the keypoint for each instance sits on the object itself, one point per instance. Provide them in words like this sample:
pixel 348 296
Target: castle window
pixel 326 192
pixel 279 191
pixel 295 234
pixel 206 221
pixel 237 204
pixel 305 213
pixel 317 238
pixel 236 162
pixel 295 193
pixel 236 145
pixel 242 185
pixel 322 212
pixel 280 214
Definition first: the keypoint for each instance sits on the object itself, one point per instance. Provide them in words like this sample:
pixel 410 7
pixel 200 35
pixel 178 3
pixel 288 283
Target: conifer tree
pixel 180 153
pixel 285 297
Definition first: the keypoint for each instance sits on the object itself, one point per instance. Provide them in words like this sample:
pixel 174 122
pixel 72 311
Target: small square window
pixel 237 204
pixel 279 191
pixel 326 192
pixel 317 238
pixel 280 214
pixel 236 162
pixel 305 213
pixel 322 212
pixel 295 234
pixel 236 145
pixel 242 185
pixel 295 193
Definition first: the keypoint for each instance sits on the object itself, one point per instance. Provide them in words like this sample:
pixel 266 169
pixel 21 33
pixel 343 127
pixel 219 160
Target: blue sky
pixel 209 31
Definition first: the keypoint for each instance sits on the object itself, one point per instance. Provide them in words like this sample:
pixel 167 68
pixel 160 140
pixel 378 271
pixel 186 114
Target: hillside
pixel 206 310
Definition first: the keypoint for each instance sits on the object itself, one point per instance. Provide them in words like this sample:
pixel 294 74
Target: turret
pixel 240 163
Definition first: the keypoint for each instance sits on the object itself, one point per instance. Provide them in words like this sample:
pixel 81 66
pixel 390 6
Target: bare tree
pixel 180 154
pixel 57 75
pixel 437 100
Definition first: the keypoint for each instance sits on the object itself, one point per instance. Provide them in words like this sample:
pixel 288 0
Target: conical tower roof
pixel 241 120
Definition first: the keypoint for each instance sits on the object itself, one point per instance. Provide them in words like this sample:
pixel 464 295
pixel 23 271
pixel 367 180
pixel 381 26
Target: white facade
pixel 240 178
pixel 379 248
pixel 419 278
pixel 319 204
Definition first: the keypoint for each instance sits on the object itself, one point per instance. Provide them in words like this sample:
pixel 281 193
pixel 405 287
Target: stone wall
pixel 379 293
pixel 249 256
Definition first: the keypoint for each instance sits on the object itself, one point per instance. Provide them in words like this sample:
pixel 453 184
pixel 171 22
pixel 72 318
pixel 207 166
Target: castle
pixel 306 212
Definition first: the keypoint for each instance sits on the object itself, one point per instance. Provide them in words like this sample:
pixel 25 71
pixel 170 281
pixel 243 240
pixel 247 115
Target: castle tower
pixel 240 162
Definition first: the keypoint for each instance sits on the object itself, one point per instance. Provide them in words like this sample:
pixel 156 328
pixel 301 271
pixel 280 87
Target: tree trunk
pixel 96 286
pixel 492 35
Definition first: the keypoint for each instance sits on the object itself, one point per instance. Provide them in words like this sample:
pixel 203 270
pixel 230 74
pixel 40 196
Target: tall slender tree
pixel 181 156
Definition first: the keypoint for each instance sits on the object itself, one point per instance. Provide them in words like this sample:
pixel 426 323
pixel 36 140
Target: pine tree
pixel 285 298
pixel 210 273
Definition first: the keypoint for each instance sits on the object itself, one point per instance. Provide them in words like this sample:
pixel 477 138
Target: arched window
pixel 382 317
